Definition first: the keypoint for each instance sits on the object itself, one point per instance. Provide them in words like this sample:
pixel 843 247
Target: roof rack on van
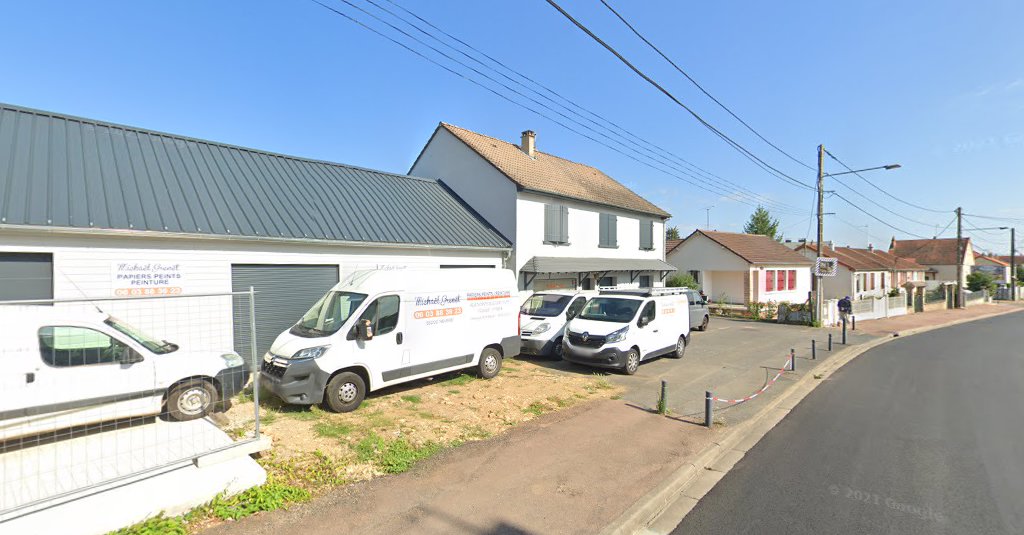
pixel 641 292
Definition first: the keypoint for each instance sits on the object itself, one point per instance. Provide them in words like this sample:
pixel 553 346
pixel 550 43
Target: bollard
pixel 854 319
pixel 708 416
pixel 830 341
pixel 663 400
pixel 844 331
pixel 792 360
pixel 814 349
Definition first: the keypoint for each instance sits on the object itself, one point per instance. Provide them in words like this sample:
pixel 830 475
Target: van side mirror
pixel 644 320
pixel 126 355
pixel 364 331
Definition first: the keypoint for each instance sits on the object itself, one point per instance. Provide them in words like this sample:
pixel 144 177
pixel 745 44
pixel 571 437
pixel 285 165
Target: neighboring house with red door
pixel 739 269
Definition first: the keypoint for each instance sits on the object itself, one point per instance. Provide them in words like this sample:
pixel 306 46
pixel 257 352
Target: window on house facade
pixel 696 275
pixel 646 235
pixel 872 283
pixel 645 281
pixel 780 280
pixel 606 281
pixel 556 223
pixel 792 280
pixel 769 280
pixel 856 278
pixel 608 231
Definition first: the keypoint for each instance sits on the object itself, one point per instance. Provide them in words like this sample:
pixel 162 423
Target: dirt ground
pixel 415 419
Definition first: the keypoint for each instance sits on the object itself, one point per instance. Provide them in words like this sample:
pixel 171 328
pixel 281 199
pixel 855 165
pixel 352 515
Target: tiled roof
pixel 993 259
pixel 63 171
pixel 866 259
pixel 933 252
pixel 547 173
pixel 670 245
pixel 1019 260
pixel 754 248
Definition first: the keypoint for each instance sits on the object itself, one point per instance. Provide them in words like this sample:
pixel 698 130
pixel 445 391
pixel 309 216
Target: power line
pixel 613 126
pixel 745 152
pixel 872 184
pixel 876 218
pixel 694 82
pixel 777 205
pixel 1011 219
pixel 876 203
pixel 951 221
pixel 513 101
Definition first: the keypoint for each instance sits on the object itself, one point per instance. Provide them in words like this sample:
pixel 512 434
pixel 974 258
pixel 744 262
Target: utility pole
pixel 959 259
pixel 708 222
pixel 818 293
pixel 1013 265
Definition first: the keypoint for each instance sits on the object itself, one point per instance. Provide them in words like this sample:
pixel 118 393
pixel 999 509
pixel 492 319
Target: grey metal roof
pixel 62 171
pixel 552 264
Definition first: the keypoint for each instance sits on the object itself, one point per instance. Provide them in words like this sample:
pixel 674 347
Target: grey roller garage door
pixel 26 276
pixel 283 294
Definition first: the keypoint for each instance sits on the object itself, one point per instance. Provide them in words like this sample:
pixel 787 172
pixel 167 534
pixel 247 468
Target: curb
pixel 680 492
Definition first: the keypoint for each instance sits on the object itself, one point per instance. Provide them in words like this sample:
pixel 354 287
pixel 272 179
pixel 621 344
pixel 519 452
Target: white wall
pixel 724 286
pixel 700 253
pixel 583 231
pixel 83 266
pixel 476 181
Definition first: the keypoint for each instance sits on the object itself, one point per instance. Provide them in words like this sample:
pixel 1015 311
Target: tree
pixel 672 233
pixel 682 281
pixel 980 280
pixel 1020 275
pixel 761 222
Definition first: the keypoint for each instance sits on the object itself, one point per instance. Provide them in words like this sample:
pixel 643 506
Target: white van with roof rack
pixel 543 318
pixel 620 328
pixel 380 328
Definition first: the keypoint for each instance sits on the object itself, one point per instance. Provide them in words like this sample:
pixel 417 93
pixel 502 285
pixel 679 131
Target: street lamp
pixel 819 300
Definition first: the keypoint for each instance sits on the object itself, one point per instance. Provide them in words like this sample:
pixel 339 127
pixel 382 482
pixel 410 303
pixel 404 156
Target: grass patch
pixel 603 384
pixel 453 391
pixel 267 497
pixel 393 456
pixel 158 525
pixel 332 429
pixel 267 415
pixel 305 415
pixel 561 403
pixel 536 408
pixel 459 380
pixel 616 396
pixel 377 419
pixel 475 432
pixel 426 415
pixel 412 399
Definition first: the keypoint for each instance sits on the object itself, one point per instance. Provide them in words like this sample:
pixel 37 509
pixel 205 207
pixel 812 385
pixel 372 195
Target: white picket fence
pixel 884 307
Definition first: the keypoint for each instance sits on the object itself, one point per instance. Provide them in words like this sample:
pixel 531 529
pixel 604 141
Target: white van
pixel 620 328
pixel 543 318
pixel 64 369
pixel 380 328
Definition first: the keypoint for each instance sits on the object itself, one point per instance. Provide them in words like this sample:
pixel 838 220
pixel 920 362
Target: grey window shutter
pixel 564 234
pixel 551 222
pixel 613 230
pixel 602 232
pixel 646 234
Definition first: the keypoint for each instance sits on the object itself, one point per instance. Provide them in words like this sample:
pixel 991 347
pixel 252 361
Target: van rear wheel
pixel 490 363
pixel 344 392
pixel 190 400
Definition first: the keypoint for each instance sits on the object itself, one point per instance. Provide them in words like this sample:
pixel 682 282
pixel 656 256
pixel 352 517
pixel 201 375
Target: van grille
pixel 273 370
pixel 593 340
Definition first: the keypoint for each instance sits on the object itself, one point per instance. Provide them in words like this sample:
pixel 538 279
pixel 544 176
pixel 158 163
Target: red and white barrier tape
pixel 785 367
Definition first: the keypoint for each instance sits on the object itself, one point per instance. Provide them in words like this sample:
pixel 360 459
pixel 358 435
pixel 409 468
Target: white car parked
pixel 620 328
pixel 64 369
pixel 543 318
pixel 380 328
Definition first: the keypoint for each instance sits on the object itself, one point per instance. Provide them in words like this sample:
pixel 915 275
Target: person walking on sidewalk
pixel 845 308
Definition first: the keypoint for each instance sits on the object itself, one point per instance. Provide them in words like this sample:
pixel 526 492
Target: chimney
pixel 529 144
pixel 871 248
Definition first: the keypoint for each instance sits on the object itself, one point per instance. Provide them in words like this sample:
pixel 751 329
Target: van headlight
pixel 232 360
pixel 310 353
pixel 542 328
pixel 617 336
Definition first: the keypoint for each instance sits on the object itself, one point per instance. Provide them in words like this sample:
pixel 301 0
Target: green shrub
pixel 682 281
pixel 158 525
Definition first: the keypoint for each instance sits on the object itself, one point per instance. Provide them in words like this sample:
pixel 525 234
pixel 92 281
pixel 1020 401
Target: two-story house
pixel 571 226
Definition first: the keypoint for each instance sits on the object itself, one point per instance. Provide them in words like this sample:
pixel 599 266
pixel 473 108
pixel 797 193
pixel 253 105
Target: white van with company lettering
pixel 380 328
pixel 543 318
pixel 620 328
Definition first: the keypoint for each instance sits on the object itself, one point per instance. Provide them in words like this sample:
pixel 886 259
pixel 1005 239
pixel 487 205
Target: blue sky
pixel 935 86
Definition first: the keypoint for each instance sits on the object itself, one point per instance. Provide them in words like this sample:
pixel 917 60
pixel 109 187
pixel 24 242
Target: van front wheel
pixel 490 363
pixel 680 348
pixel 190 400
pixel 344 392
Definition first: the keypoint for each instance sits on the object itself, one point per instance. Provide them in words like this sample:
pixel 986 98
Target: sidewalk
pixel 581 469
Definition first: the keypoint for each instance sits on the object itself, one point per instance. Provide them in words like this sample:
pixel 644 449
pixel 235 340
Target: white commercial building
pixel 571 225
pixel 97 210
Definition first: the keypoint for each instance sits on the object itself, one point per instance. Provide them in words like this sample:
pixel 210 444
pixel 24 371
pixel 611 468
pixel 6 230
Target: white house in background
pixel 737 268
pixel 999 269
pixel 939 255
pixel 99 210
pixel 571 226
pixel 864 273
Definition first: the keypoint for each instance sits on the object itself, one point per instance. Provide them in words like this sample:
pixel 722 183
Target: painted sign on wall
pixel 134 279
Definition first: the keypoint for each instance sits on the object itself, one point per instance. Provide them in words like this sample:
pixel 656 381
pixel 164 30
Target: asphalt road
pixel 921 435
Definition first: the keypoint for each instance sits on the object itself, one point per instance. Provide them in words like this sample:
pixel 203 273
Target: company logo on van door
pixel 480 296
pixel 433 300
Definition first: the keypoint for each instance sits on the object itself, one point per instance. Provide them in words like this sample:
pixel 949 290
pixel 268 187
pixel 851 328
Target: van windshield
pixel 328 314
pixel 159 347
pixel 546 305
pixel 610 309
